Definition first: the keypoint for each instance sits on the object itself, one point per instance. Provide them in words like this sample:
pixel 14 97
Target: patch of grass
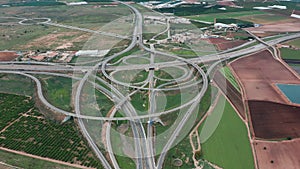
pixel 185 53
pixel 287 53
pixel 13 37
pixel 138 60
pixel 199 24
pixel 125 162
pixel 130 76
pixel 28 162
pixel 94 102
pixel 264 18
pixel 58 91
pixel 295 43
pixel 183 149
pixel 229 146
pixel 169 73
pixel 140 102
pixel 162 36
pixel 103 102
pixel 16 84
pixel 116 50
pixel 229 76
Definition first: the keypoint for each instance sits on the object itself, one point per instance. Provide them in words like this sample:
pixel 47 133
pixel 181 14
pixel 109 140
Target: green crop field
pixel 28 162
pixel 27 130
pixel 295 43
pixel 264 18
pixel 287 53
pixel 229 76
pixel 229 145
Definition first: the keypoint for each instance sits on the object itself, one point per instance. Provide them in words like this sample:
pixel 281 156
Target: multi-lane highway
pixel 144 139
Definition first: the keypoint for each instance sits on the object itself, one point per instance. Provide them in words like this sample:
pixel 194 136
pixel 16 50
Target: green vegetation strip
pixel 229 146
pixel 229 76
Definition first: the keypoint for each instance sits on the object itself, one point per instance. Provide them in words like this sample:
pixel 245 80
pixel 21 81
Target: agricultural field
pixel 48 37
pixel 250 4
pixel 35 3
pixel 13 104
pixel 16 84
pixel 265 18
pixel 28 162
pixel 27 130
pixel 295 43
pixel 237 15
pixel 40 37
pixel 229 76
pixel 229 145
pixel 287 53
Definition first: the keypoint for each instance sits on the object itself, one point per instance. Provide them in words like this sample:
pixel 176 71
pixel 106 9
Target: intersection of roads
pixel 143 138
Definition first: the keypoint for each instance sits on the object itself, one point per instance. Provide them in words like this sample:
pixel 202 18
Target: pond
pixel 291 91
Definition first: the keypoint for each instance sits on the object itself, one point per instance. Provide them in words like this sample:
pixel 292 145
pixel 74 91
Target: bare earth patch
pixel 8 56
pixel 61 40
pixel 293 26
pixel 278 154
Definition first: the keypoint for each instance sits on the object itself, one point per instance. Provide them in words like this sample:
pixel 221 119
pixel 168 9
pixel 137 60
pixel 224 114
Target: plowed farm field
pixel 272 115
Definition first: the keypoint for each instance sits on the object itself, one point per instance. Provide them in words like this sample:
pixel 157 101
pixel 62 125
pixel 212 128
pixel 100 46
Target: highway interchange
pixel 143 138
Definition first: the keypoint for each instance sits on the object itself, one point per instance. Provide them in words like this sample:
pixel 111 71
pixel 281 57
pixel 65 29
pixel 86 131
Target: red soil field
pixel 226 3
pixel 223 44
pixel 272 115
pixel 273 120
pixel 258 74
pixel 277 27
pixel 284 155
pixel 8 56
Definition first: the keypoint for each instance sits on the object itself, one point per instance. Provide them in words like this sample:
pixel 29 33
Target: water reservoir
pixel 291 91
